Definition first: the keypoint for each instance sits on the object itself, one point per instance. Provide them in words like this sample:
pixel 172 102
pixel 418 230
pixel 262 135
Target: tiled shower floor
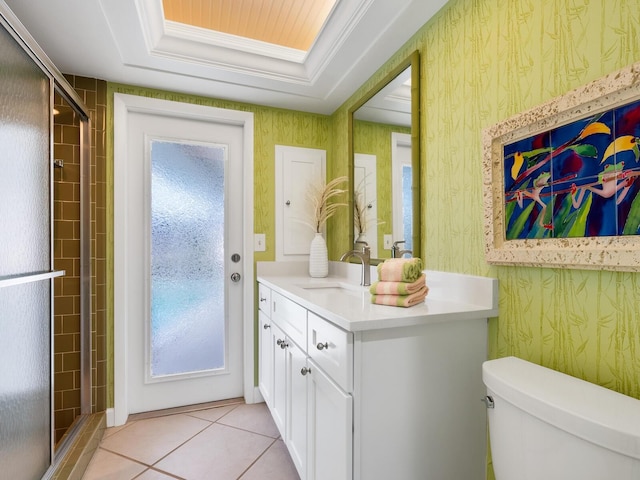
pixel 231 442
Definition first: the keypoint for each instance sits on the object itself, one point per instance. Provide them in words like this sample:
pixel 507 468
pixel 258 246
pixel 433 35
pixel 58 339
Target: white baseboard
pixel 110 417
pixel 253 396
pixel 257 396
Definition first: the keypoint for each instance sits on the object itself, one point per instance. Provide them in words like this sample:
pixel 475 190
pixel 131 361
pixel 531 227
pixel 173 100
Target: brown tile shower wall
pixel 67 254
pixel 66 249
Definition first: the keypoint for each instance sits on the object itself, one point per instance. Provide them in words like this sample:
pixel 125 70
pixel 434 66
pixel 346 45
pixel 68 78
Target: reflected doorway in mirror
pixel 365 208
pixel 401 176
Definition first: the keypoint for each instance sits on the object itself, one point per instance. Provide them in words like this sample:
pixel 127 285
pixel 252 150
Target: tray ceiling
pixel 131 41
pixel 288 23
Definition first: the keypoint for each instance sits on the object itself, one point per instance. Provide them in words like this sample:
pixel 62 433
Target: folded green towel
pixel 397 288
pixel 401 300
pixel 400 270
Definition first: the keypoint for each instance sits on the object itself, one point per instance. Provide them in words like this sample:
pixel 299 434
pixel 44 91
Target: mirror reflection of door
pixel 365 203
pixel 401 189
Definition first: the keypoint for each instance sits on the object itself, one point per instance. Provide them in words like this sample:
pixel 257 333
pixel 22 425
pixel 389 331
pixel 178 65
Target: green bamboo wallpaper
pixel 483 61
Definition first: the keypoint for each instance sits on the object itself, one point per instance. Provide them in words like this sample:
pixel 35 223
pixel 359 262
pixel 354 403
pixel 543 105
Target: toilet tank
pixel 548 425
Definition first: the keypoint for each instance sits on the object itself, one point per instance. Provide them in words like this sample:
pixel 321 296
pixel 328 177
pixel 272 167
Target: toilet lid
pixel 591 412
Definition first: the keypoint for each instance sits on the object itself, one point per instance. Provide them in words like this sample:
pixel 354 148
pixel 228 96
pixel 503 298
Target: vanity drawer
pixel 332 349
pixel 264 299
pixel 291 318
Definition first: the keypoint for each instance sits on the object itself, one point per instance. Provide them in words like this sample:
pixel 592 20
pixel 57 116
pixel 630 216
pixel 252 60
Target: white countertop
pixel 340 299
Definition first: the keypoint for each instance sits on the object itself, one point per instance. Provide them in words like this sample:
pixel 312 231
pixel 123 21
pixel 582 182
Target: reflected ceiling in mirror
pixel 391 105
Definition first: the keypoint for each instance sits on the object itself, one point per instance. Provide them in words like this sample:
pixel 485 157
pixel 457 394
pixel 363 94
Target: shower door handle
pixel 235 277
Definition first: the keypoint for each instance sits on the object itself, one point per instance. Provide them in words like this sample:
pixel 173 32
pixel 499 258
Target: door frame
pixel 123 105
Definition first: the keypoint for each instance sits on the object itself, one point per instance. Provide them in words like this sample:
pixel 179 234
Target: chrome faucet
pixel 364 256
pixel 396 252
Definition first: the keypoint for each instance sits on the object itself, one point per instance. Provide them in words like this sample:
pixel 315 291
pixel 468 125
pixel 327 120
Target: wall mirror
pixel 384 164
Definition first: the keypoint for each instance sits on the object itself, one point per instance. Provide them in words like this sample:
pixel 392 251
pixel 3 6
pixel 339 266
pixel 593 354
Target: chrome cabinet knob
pixel 279 341
pixel 266 326
pixel 263 299
pixel 304 371
pixel 322 346
pixel 235 277
pixel 284 345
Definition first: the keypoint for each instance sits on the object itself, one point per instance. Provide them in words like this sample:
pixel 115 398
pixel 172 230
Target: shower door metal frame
pixel 59 84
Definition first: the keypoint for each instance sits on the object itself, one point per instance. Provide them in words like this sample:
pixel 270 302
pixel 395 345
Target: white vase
pixel 318 257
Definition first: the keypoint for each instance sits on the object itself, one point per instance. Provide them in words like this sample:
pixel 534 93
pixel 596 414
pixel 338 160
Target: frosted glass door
pixel 187 258
pixel 25 380
pixel 25 265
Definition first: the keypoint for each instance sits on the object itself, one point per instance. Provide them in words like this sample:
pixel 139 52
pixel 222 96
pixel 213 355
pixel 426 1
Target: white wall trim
pixel 123 105
pixel 110 416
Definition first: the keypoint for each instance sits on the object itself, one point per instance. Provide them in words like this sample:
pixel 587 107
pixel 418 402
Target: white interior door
pixel 183 263
pixel 365 184
pixel 401 189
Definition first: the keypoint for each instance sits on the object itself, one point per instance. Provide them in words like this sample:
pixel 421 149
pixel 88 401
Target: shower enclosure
pixel 45 259
pixel 71 333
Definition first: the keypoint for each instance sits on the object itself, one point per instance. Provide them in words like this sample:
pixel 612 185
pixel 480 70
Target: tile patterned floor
pixel 231 442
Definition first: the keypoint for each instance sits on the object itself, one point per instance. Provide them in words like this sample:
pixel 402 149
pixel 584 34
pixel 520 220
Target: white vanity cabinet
pixel 312 410
pixel 391 393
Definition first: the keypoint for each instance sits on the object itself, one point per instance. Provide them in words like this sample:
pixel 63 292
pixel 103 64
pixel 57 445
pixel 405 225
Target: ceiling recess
pixel 288 23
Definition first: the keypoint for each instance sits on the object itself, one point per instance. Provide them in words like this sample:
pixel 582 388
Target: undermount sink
pixel 333 288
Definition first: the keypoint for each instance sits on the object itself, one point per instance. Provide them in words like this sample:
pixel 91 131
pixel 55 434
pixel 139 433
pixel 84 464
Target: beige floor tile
pixel 109 466
pixel 219 452
pixel 154 475
pixel 149 440
pixel 254 418
pixel 110 431
pixel 274 464
pixel 212 414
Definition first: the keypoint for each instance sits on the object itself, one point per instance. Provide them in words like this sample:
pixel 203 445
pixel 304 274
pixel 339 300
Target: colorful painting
pixel 576 180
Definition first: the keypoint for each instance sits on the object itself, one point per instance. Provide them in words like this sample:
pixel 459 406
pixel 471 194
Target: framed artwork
pixel 561 181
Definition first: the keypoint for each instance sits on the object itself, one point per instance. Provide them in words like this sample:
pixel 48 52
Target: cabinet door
pixel 297 407
pixel 297 169
pixel 330 425
pixel 265 368
pixel 332 349
pixel 264 299
pixel 279 397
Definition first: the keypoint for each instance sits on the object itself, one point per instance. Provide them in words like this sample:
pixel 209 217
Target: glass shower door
pixel 25 264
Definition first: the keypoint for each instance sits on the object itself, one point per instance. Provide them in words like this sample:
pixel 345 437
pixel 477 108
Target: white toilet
pixel 545 425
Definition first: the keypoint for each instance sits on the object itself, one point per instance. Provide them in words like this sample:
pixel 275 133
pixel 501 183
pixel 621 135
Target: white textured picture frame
pixel 597 253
